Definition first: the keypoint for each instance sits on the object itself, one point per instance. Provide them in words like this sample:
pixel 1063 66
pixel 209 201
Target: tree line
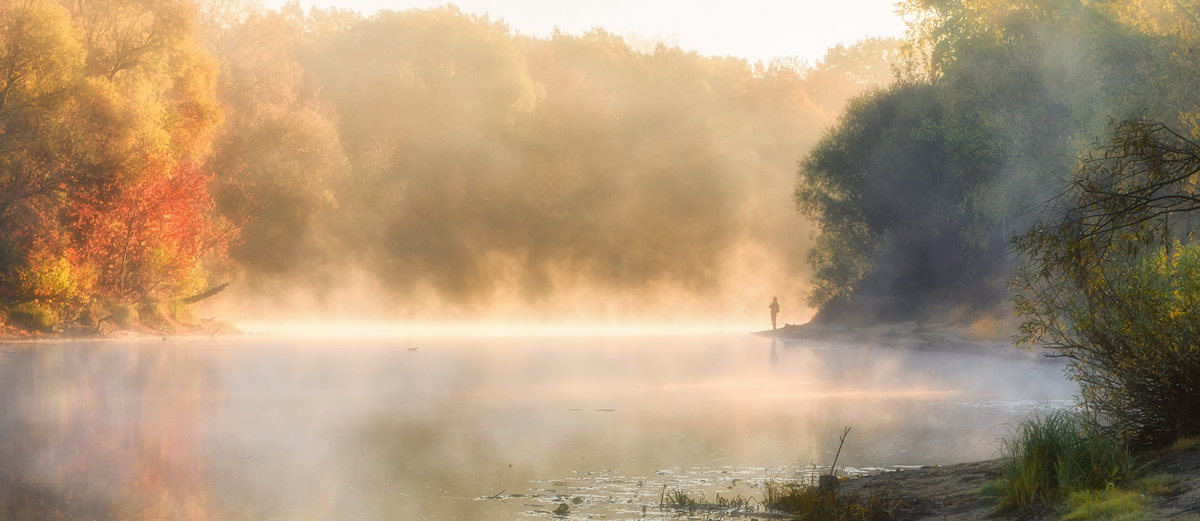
pixel 154 149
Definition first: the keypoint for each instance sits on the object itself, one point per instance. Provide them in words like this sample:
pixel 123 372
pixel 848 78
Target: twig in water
pixel 841 441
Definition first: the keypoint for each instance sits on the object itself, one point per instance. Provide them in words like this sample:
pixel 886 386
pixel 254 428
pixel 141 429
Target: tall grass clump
pixel 828 504
pixel 1049 457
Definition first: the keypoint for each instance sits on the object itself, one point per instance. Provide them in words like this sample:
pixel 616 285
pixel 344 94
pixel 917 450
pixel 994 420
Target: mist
pixel 331 427
pixel 436 164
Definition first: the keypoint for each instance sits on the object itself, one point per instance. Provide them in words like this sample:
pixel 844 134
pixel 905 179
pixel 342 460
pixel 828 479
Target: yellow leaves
pixel 40 55
pixel 49 278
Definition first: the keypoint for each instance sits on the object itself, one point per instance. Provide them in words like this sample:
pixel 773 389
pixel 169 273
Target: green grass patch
pixel 1158 485
pixel 1049 457
pixel 1107 505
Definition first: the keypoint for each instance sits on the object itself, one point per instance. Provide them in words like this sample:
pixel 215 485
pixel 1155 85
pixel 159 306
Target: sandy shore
pixel 955 492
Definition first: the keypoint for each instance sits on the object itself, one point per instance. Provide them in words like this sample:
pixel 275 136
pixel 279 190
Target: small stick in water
pixel 841 441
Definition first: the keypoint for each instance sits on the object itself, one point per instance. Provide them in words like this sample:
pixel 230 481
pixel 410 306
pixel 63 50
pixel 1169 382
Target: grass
pixel 798 500
pixel 1049 457
pixel 827 504
pixel 1107 505
pixel 1158 485
pixel 1185 444
pixel 682 501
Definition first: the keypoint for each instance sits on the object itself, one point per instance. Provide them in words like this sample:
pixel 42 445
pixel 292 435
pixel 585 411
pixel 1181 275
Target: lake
pixel 438 428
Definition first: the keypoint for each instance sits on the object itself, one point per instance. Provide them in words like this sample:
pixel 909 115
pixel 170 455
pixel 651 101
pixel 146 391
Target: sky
pixel 751 29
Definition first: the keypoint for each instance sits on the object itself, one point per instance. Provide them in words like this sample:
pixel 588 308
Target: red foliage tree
pixel 146 237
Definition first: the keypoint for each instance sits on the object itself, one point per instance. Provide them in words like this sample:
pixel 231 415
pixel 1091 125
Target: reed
pixel 684 502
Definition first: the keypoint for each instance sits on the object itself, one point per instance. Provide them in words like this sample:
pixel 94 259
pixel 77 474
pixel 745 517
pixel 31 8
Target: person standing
pixel 774 310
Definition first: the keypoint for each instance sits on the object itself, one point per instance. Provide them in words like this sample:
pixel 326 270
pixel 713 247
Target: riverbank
pixel 960 492
pixel 204 327
pixel 910 335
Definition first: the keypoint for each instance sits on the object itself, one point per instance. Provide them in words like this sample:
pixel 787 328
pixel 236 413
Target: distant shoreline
pixel 901 335
pixel 9 335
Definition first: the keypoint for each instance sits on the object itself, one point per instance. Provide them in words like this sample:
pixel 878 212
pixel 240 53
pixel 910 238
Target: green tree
pixel 891 189
pixel 1019 90
pixel 1108 286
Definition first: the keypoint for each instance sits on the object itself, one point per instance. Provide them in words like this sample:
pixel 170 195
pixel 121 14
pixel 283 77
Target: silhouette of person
pixel 774 310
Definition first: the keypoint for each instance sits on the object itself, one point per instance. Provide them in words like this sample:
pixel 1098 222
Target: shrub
pixel 124 316
pixel 1129 331
pixel 1139 359
pixel 1048 457
pixel 1107 284
pixel 34 316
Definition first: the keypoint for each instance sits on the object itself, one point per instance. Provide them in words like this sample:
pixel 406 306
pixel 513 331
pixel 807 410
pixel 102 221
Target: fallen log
pixel 205 294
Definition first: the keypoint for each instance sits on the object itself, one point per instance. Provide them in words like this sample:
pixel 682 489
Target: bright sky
pixel 752 29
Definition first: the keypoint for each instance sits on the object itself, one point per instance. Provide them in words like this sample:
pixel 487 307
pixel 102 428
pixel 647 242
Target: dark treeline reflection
pixel 453 162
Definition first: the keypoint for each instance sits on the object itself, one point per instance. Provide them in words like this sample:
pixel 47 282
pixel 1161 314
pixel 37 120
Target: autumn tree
pixel 107 106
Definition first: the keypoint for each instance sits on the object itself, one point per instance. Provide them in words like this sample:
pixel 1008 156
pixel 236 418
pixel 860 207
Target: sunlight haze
pixel 755 30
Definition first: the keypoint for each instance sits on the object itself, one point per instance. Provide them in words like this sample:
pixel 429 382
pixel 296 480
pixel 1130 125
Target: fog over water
pixel 475 428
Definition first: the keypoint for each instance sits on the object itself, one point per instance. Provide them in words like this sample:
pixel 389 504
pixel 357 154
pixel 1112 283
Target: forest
pixel 425 163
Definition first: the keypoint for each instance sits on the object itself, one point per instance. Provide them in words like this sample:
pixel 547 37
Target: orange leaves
pixel 107 112
pixel 147 236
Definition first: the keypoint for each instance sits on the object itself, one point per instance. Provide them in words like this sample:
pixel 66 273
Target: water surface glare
pixel 266 428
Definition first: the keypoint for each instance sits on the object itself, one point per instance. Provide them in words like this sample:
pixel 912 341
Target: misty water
pixel 269 428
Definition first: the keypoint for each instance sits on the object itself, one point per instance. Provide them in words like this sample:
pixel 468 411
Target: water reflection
pixel 470 429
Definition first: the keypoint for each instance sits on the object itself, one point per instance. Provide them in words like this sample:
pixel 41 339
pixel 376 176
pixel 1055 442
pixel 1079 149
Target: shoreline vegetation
pixel 1168 489
pixel 125 324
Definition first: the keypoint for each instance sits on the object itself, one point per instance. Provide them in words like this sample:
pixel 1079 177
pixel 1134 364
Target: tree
pixel 1108 286
pixel 891 188
pixel 144 239
pixel 103 101
pixel 1018 90
pixel 278 153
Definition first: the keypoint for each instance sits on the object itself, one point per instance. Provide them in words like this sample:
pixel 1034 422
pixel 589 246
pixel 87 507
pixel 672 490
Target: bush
pixel 124 316
pixel 1139 358
pixel 1049 457
pixel 34 316
pixel 1106 284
